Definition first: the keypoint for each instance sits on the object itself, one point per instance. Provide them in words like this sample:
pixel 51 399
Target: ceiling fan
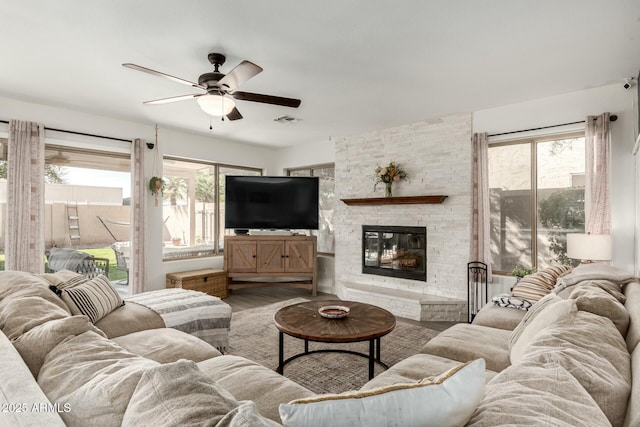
pixel 218 89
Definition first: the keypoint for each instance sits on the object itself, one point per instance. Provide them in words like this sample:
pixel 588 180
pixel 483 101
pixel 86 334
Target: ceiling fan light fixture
pixel 216 105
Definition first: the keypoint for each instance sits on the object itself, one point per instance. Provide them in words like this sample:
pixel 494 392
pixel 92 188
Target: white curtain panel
pixel 597 146
pixel 480 238
pixel 137 264
pixel 24 243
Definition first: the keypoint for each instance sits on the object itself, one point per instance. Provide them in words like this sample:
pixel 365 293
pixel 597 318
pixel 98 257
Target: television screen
pixel 271 202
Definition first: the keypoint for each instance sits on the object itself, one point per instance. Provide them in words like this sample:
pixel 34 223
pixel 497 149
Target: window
pixel 193 215
pixel 536 191
pixel 87 206
pixel 326 174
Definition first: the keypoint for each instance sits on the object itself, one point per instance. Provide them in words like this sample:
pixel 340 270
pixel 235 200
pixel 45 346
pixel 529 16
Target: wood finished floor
pixel 243 299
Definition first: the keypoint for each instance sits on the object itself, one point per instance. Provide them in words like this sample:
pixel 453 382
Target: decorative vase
pixel 388 189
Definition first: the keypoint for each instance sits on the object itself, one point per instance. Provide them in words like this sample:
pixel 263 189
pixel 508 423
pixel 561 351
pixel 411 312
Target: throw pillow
pixel 535 286
pixel 95 376
pixel 179 394
pixel 446 400
pixel 68 284
pixel 536 395
pixel 94 298
pixel 35 344
pixel 510 301
pixel 545 312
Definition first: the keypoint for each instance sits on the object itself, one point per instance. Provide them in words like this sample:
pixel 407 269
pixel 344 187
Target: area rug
pixel 253 335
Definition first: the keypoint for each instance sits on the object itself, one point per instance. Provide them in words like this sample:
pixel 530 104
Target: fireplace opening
pixel 395 251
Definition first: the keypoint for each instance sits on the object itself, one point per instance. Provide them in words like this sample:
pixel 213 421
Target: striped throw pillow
pixel 94 298
pixel 71 283
pixel 537 285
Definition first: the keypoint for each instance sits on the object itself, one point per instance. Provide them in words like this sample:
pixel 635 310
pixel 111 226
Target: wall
pixel 304 155
pixel 172 142
pixel 436 156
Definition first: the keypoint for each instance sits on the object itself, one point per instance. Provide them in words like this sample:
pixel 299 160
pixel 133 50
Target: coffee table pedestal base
pixel 373 356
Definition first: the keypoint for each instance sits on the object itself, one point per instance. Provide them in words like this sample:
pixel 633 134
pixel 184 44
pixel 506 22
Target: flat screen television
pixel 271 202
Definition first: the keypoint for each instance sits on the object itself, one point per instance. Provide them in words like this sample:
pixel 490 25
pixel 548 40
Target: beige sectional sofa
pixel 573 359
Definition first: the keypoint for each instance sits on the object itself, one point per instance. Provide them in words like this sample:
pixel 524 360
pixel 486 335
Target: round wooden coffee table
pixel 365 322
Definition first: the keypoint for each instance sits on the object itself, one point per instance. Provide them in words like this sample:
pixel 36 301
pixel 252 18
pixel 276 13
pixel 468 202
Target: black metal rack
pixel 477 291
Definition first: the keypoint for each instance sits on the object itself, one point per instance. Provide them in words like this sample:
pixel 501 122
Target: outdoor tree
pixel 205 193
pixel 52 174
pixel 175 189
pixel 561 211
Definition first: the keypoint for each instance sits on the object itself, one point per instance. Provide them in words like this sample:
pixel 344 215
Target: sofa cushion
pixel 248 380
pixel 588 346
pixel 594 271
pixel 632 292
pixel 545 312
pixel 166 345
pixel 536 285
pixel 129 318
pixel 22 402
pixel 536 395
pixel 18 284
pixel 178 394
pixel 498 317
pixel 598 301
pixel 94 298
pixel 95 376
pixel 633 409
pixel 448 399
pixel 35 344
pixel 413 369
pixel 20 315
pixel 464 342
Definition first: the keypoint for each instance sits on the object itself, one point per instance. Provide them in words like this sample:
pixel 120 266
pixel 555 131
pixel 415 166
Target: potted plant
pixel 520 271
pixel 156 185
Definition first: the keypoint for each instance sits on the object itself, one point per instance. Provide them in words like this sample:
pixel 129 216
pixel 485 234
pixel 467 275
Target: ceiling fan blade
pixel 240 74
pixel 266 99
pixel 173 99
pixel 234 115
pixel 159 74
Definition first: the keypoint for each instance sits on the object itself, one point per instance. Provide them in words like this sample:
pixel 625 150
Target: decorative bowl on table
pixel 334 311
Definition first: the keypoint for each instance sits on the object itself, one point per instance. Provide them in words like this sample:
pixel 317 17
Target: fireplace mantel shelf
pixel 402 200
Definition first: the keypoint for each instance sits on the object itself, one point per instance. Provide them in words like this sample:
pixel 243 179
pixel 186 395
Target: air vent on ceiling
pixel 287 119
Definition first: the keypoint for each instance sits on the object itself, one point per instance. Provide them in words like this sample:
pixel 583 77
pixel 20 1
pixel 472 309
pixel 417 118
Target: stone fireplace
pixel 395 251
pixel 436 154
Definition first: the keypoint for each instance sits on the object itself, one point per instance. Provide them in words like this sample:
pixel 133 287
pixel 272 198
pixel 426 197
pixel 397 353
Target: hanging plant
pixel 156 185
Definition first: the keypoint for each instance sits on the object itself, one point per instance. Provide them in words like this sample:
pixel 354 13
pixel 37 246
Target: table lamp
pixel 589 247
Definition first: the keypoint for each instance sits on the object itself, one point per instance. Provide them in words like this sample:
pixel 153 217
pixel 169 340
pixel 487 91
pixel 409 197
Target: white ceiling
pixel 357 65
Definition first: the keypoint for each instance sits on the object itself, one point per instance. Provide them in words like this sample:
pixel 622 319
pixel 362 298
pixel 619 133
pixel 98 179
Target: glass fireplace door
pixel 394 251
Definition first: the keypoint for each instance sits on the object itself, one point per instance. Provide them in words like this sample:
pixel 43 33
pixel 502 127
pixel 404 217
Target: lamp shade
pixel 216 105
pixel 590 247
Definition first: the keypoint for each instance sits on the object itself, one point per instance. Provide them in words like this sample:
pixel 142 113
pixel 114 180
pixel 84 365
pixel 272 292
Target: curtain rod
pixel 612 118
pixel 81 133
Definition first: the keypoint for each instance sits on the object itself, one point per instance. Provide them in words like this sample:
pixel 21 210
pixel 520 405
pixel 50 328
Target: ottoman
pixel 196 313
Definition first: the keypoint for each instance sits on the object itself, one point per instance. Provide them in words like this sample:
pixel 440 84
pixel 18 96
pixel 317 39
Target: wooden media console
pixel 292 258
